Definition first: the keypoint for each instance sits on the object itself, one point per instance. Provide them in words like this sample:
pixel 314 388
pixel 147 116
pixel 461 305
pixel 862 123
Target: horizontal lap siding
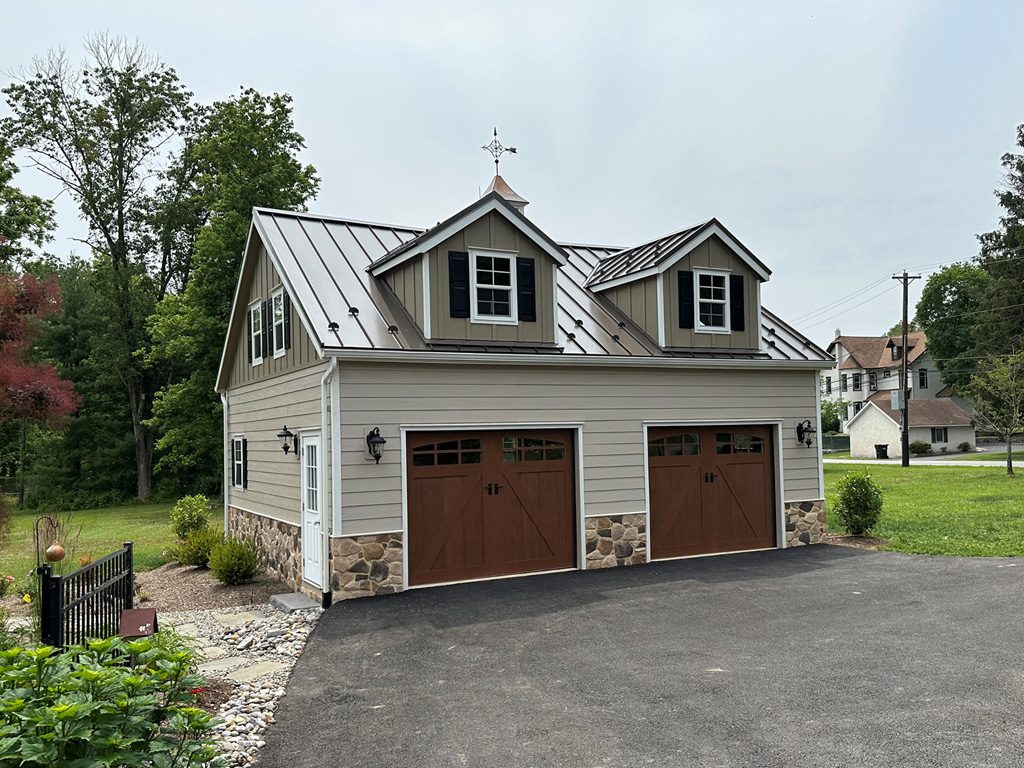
pixel 257 412
pixel 610 403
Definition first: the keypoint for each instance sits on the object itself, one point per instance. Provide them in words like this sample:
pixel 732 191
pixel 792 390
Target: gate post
pixel 50 608
pixel 129 601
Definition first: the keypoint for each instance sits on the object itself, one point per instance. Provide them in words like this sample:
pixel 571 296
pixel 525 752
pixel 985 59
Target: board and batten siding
pixel 639 300
pixel 262 280
pixel 495 232
pixel 406 281
pixel 611 403
pixel 257 411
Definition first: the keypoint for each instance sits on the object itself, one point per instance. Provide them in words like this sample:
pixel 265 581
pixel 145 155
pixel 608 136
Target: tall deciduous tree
pixel 244 155
pixel 25 220
pixel 103 132
pixel 948 311
pixel 997 391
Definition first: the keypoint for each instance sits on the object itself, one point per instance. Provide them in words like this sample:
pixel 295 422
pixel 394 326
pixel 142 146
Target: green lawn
pixel 940 510
pixel 837 455
pixel 1017 456
pixel 147 526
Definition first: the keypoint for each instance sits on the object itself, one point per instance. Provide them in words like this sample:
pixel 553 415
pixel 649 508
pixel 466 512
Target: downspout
pixel 325 533
pixel 226 475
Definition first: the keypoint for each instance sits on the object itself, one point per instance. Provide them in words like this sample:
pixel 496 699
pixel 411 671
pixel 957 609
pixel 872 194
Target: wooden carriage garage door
pixel 711 490
pixel 489 503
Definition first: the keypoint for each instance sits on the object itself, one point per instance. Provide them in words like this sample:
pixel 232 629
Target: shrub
pixel 919 447
pixel 858 502
pixel 7 584
pixel 234 561
pixel 964 447
pixel 191 513
pixel 86 707
pixel 197 547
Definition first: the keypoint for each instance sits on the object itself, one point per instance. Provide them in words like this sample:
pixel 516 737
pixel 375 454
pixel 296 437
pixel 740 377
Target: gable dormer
pixel 692 289
pixel 486 275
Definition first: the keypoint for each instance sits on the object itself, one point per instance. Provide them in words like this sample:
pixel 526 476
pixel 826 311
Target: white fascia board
pixel 234 306
pixel 620 361
pixel 286 282
pixel 870 404
pixel 683 250
pixel 461 223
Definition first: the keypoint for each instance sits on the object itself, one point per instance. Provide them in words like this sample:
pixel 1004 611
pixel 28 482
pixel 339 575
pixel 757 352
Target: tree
pixel 947 311
pixel 103 132
pixel 831 415
pixel 28 390
pixel 25 220
pixel 245 155
pixel 997 392
pixel 897 330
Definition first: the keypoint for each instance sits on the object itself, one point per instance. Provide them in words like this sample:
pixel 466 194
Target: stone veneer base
pixel 366 565
pixel 614 540
pixel 805 522
pixel 279 543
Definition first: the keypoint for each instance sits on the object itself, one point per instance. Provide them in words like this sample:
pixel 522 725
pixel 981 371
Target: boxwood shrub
pixel 198 546
pixel 191 513
pixel 234 561
pixel 858 502
pixel 920 447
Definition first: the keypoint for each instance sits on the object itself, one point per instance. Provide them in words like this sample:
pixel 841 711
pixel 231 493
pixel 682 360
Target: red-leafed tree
pixel 29 390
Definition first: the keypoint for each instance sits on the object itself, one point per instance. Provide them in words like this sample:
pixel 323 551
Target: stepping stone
pixel 189 630
pixel 231 619
pixel 290 602
pixel 213 652
pixel 220 665
pixel 245 674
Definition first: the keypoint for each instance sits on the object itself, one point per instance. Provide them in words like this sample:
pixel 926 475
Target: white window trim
pixel 945 429
pixel 513 304
pixel 257 352
pixel 697 327
pixel 237 463
pixel 277 294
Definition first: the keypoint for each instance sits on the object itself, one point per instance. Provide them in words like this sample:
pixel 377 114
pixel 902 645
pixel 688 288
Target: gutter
pixel 325 528
pixel 614 361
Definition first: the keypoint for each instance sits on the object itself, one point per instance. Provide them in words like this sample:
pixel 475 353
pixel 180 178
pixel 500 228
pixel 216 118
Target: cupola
pixel 500 186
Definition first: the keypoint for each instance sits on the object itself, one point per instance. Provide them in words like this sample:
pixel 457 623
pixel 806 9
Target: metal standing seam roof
pixel 324 263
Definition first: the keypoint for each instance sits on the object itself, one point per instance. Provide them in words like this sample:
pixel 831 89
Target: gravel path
pixel 253 648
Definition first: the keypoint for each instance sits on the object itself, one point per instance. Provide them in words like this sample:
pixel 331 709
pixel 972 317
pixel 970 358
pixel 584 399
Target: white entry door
pixel 312 508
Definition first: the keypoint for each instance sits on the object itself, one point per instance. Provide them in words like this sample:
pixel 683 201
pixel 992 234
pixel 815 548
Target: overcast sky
pixel 840 141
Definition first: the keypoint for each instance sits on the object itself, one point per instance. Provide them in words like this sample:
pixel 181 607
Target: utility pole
pixel 905 279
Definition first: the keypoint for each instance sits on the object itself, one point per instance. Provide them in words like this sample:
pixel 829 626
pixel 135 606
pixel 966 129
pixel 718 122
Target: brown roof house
pixel 866 365
pixel 406 407
pixel 940 422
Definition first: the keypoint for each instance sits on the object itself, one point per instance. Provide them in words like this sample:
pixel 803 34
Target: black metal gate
pixel 87 603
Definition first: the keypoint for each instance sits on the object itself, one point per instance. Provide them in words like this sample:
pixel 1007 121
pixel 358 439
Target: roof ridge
pixel 342 219
pixel 667 235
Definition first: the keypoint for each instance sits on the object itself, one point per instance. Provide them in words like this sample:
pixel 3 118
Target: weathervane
pixel 497 149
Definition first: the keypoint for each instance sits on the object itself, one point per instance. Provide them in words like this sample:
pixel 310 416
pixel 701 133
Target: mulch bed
pixel 177 587
pixel 857 542
pixel 214 693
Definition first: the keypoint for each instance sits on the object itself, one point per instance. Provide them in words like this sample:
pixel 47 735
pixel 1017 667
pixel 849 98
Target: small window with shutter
pixel 256 332
pixel 239 462
pixel 711 300
pixel 493 287
pixel 277 320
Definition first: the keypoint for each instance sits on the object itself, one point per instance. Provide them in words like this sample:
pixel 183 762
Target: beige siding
pixel 491 231
pixel 258 282
pixel 611 403
pixel 639 300
pixel 407 283
pixel 713 254
pixel 257 411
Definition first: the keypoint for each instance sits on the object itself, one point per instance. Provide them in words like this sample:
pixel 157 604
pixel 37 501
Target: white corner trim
pixel 662 330
pixel 817 419
pixel 427 330
pixel 228 459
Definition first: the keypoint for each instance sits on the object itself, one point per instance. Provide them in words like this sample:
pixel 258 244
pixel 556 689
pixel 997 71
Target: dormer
pixel 487 275
pixel 697 288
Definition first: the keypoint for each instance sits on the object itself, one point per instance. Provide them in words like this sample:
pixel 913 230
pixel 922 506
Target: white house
pixel 940 422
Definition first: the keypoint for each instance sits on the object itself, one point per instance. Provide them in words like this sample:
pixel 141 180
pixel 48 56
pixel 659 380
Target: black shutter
pixel 526 289
pixel 245 463
pixel 685 298
pixel 737 302
pixel 266 335
pixel 248 332
pixel 287 322
pixel 458 283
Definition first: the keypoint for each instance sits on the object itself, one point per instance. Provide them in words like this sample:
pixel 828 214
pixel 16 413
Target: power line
pixel 843 300
pixel 850 309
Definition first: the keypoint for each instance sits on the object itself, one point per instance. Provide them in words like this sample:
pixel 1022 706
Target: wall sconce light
pixel 805 432
pixel 289 441
pixel 375 444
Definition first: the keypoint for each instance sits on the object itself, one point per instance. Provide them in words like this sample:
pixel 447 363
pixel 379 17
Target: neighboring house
pixel 545 405
pixel 940 422
pixel 869 364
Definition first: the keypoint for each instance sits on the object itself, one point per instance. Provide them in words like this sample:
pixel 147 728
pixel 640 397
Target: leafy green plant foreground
pixel 939 510
pixel 102 531
pixel 87 707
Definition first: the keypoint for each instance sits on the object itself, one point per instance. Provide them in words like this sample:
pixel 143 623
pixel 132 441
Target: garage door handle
pixel 493 489
pixel 709 477
pixel 497 489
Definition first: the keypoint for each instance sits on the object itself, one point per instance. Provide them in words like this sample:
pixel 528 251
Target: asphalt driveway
pixel 815 656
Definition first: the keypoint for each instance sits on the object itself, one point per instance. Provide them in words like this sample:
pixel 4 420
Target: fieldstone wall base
pixel 616 540
pixel 279 543
pixel 805 522
pixel 366 565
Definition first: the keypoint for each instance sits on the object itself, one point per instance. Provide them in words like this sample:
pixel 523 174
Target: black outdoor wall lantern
pixel 289 441
pixel 375 444
pixel 804 432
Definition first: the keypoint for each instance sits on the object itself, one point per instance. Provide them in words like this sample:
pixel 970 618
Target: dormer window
pixel 897 352
pixel 493 286
pixel 712 299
